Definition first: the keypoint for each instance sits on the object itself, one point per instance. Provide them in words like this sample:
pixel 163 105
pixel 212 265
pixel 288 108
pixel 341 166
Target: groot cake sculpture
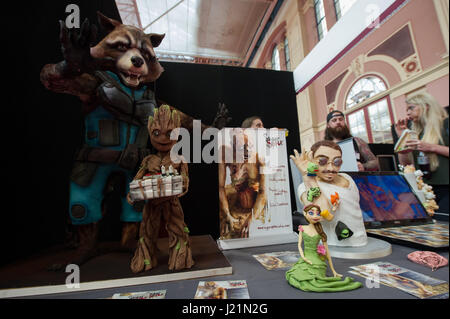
pixel 158 206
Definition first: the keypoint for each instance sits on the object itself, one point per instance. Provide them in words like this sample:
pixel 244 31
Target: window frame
pixel 365 107
pixel 320 35
pixel 276 52
pixel 365 110
pixel 358 80
pixel 337 9
pixel 287 55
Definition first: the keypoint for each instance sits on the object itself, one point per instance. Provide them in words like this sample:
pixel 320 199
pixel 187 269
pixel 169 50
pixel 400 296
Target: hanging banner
pixel 254 194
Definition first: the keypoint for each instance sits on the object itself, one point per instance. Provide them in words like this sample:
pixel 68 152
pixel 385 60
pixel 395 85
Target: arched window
pixel 276 59
pixel 372 122
pixel 273 55
pixel 363 89
pixel 287 55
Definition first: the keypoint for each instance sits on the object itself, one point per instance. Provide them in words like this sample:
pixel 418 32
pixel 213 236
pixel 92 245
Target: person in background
pixel 337 130
pixel 430 122
pixel 252 122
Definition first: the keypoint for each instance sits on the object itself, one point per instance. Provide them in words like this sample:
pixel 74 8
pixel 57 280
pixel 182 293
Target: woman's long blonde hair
pixel 431 121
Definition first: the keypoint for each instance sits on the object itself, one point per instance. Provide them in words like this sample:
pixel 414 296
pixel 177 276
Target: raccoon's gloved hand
pixel 221 120
pixel 75 46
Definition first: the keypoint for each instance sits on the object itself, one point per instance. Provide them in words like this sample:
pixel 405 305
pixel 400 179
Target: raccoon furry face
pixel 132 51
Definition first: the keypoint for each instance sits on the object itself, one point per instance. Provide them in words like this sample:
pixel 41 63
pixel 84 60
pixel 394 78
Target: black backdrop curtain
pixel 40 129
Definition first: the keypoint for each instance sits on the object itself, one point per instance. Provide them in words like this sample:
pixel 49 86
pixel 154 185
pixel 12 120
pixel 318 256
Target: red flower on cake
pixel 321 250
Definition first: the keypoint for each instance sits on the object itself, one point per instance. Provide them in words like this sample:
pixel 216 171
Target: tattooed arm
pixel 371 162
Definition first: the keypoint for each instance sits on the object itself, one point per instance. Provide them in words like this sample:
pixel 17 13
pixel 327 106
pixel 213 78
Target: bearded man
pixel 337 130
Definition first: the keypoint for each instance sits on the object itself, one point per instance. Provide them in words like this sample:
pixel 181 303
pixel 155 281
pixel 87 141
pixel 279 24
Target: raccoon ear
pixel 156 39
pixel 107 23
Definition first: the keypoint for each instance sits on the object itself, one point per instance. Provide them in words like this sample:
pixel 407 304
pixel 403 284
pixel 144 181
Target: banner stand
pixel 261 185
pixel 227 244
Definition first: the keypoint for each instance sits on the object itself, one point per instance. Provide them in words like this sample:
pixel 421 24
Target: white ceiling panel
pixel 208 29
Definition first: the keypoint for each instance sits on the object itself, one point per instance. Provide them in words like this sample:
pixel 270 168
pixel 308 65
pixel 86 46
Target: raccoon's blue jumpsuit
pixel 91 196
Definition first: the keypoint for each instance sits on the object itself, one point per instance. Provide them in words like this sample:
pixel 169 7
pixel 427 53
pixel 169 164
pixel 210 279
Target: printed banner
pixel 253 183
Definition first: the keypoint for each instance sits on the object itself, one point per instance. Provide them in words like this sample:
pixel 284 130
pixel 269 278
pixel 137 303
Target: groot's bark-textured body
pixel 168 208
pixel 180 255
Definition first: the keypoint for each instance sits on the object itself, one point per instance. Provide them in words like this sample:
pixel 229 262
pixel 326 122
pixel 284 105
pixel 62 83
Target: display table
pixel 265 284
pixel 108 270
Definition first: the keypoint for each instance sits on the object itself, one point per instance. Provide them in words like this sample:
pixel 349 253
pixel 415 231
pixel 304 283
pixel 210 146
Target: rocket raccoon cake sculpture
pixel 112 79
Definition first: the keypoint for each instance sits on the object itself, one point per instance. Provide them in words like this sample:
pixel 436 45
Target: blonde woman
pixel 430 121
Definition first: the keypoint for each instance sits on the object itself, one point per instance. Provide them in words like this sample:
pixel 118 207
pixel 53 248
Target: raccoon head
pixel 132 51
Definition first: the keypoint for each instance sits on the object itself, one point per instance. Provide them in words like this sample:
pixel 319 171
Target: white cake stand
pixel 375 248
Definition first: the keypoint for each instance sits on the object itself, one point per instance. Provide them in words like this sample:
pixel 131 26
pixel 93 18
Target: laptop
pixel 392 210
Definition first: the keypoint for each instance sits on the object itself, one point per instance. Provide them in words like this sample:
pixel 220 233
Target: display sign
pixel 254 192
pixel 349 156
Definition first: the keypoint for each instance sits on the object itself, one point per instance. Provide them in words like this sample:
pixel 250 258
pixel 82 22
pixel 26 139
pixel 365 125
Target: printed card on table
pixel 234 289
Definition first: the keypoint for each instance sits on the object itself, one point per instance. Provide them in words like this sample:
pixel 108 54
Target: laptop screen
pixel 386 199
